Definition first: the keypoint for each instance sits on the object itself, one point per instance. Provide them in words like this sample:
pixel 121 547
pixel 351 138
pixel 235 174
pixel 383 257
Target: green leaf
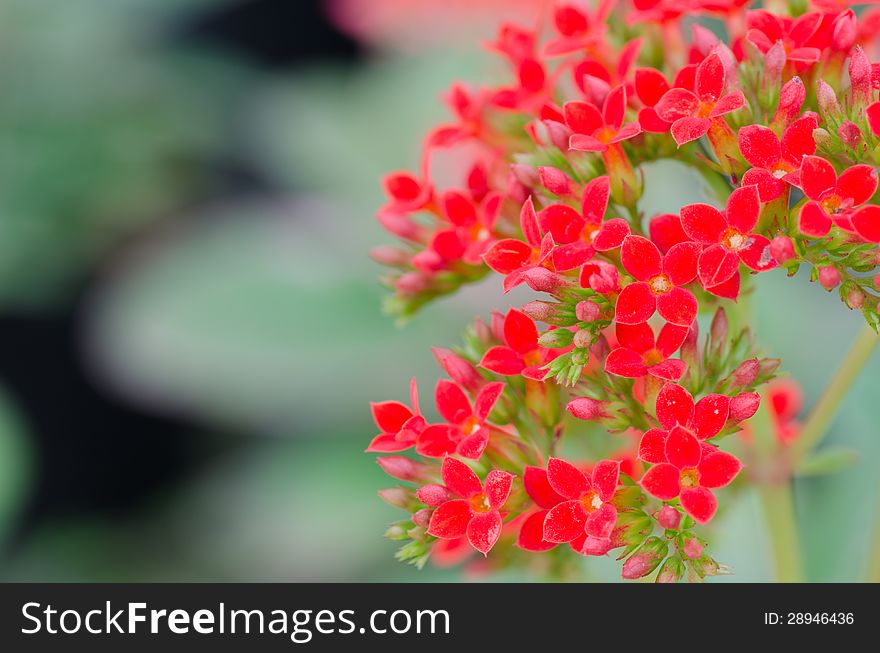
pixel 827 461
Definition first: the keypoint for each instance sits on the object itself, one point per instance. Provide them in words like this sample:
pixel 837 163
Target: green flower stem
pixel 874 554
pixel 826 408
pixel 778 504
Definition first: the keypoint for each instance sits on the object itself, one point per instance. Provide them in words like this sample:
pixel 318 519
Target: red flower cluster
pixel 781 118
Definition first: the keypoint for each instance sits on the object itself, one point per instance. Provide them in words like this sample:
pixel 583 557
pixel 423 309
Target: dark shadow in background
pixel 96 454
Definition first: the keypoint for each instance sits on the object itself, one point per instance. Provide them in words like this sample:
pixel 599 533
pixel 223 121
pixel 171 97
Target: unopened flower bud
pixel 460 370
pixel 543 280
pixel 433 495
pixel 402 468
pixel 672 571
pixel 877 281
pixel 583 338
pixel 860 78
pixel 827 99
pixel 844 31
pixel 555 338
pixel 744 405
pixel 396 496
pixel 768 368
pixel 745 375
pixel 824 140
pixel 853 296
pixel 550 312
pixel 526 175
pixel 782 249
pixel 718 329
pixel 691 546
pixel 829 277
pixel 396 532
pixel 422 517
pixel 850 134
pixel 391 256
pixel 791 98
pixel 587 408
pixel 632 526
pixel 705 566
pixel 554 180
pixel 646 559
pixel 669 517
pixel 587 311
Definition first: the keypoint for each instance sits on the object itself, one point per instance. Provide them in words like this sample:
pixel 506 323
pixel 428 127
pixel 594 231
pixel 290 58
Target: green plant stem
pixel 826 408
pixel 778 505
pixel 873 575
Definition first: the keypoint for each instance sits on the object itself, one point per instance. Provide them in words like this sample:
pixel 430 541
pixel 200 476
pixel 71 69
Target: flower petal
pixel 727 104
pixel 635 304
pixel 562 221
pixel 611 235
pixel 756 255
pixel 718 469
pixel 665 230
pixel 531 533
pixel 743 209
pixel 675 406
pixel 565 522
pixel 671 337
pixel 473 446
pixel 858 183
pixel 614 108
pixel 661 481
pixel 502 360
pixel 652 447
pixel 638 337
pixel 699 503
pixel 520 332
pixel 728 290
pixel 486 399
pixel 817 177
pixel 668 370
pixel 601 521
pixel 626 363
pixel 484 530
pixel 594 201
pixel 566 479
pixel 452 403
pixel 677 103
pixel 450 520
pixel 769 187
pixel 437 440
pixel 710 79
pixel 702 223
pixel 586 143
pixel 813 222
pixel 459 478
pixel 650 85
pixel 538 487
pixel 640 257
pixel 497 487
pixel 390 416
pixel 678 306
pixel 507 255
pixel 685 130
pixel 759 145
pixel 680 263
pixel 605 476
pixel 582 117
pixel 866 222
pixel 682 448
pixel 710 415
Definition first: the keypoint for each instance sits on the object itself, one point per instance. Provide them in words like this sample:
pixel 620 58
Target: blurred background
pixel 190 327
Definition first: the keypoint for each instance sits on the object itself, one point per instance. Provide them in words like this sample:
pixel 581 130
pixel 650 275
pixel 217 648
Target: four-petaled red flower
pixel 638 354
pixel 580 235
pixel 514 258
pixel 728 238
pixel 520 354
pixel 399 424
pixel 586 516
pixel 658 282
pixel 692 113
pixel 465 431
pixel 832 198
pixel 477 510
pixel 593 130
pixel 765 29
pixel 776 161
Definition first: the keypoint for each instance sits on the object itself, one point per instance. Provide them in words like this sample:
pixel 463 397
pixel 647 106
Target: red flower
pixel 520 354
pixel 593 130
pixel 514 258
pixel 576 28
pixel 658 282
pixel 866 223
pixel 476 513
pixel 676 407
pixel 531 535
pixel 580 236
pixel 472 224
pixel 728 237
pixel 832 198
pixel 691 113
pixel 399 424
pixel 465 431
pixel 690 471
pixel 638 354
pixel 585 512
pixel 766 29
pixel 775 161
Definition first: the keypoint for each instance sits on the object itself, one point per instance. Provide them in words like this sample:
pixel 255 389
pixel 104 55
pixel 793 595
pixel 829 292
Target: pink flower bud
pixel 396 496
pixel 827 99
pixel 672 571
pixel 877 281
pixel 782 249
pixel 526 175
pixel 718 329
pixel 855 298
pixel 791 98
pixel 549 312
pixel 829 277
pixel 587 311
pixel 646 559
pixel 587 408
pixel 583 339
pixel 460 370
pixel 390 255
pixel 433 495
pixel 422 517
pixel 844 31
pixel 744 405
pixel 850 134
pixel 558 133
pixel 543 280
pixel 554 180
pixel 692 548
pixel 412 283
pixel 402 468
pixel 669 517
pixel 746 373
pixel 860 77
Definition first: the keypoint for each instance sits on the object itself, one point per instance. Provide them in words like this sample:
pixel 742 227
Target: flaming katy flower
pixel 638 353
pixel 765 29
pixel 520 353
pixel 658 282
pixel 537 485
pixel 832 198
pixel 476 513
pixel 692 112
pixel 465 431
pixel 585 515
pixel 399 425
pixel 728 237
pixel 676 407
pixel 593 130
pixel 775 161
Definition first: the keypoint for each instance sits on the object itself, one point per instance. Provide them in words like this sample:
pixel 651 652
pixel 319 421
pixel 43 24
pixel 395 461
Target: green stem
pixel 828 405
pixel 778 506
pixel 874 554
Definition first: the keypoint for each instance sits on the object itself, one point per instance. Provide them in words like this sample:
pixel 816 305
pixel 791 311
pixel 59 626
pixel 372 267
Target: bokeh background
pixel 190 327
